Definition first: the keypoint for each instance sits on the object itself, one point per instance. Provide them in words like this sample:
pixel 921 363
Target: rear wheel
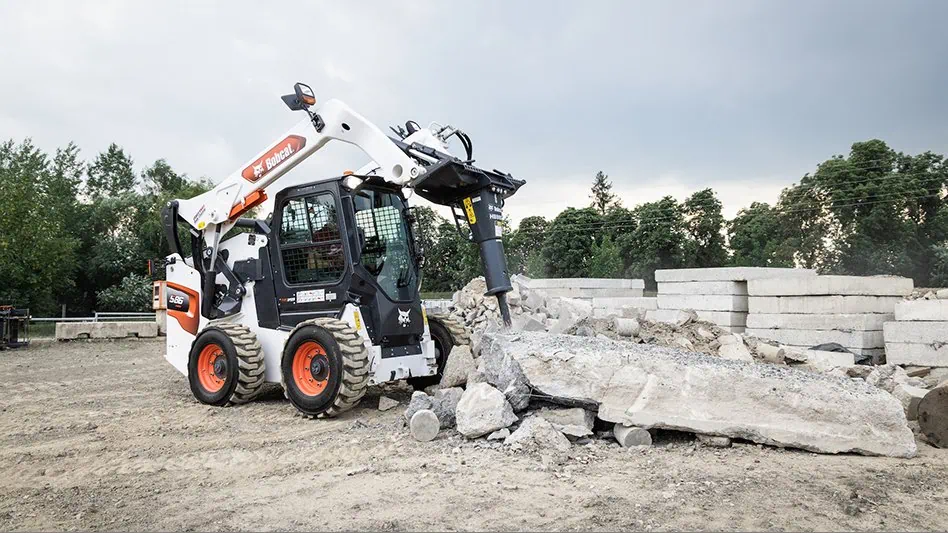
pixel 446 332
pixel 325 367
pixel 225 365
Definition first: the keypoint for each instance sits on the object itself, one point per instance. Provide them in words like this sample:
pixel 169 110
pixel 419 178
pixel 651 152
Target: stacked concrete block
pixel 919 334
pixel 717 295
pixel 105 330
pixel 809 311
pixel 588 288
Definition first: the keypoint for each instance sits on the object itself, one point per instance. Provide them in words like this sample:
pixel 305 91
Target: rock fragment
pixel 424 425
pixel 386 403
pixel 460 364
pixel 483 410
pixel 573 422
pixel 536 434
pixel 629 436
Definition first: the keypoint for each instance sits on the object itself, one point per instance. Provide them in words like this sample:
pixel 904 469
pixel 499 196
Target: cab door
pixel 310 258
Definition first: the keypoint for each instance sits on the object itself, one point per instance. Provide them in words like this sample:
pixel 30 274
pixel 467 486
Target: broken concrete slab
pixel 822 304
pixel 719 318
pixel 618 302
pixel 909 353
pixel 801 337
pixel 704 287
pixel 921 310
pixel 858 321
pixel 586 283
pixel 483 410
pixel 528 323
pixel 655 387
pixel 729 273
pixel 733 348
pixel 832 285
pixel 460 363
pixel 917 332
pixel 386 403
pixel 823 360
pixel 909 396
pixel 703 302
pixel 629 436
pixel 574 421
pixel 537 434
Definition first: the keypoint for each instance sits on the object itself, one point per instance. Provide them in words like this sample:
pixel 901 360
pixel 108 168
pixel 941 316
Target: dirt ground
pixel 107 436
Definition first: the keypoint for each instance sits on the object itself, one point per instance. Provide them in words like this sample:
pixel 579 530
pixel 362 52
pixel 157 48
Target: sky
pixel 666 97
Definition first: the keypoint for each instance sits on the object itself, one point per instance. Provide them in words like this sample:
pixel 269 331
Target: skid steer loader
pixel 323 296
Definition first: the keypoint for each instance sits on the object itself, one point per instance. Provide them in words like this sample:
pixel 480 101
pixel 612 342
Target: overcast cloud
pixel 665 97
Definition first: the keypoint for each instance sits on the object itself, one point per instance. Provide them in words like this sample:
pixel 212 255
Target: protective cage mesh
pixel 382 228
pixel 311 245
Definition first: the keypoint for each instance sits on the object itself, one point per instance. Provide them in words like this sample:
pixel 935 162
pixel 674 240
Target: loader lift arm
pixel 418 160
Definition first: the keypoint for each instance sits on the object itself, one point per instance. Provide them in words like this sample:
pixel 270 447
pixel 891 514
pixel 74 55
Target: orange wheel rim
pixel 212 368
pixel 311 368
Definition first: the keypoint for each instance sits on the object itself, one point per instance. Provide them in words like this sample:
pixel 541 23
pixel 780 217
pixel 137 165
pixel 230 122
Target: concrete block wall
pixel 105 330
pixel 607 296
pixel 717 295
pixel 803 312
pixel 919 334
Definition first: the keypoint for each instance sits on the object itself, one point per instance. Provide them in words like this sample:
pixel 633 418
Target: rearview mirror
pixel 302 97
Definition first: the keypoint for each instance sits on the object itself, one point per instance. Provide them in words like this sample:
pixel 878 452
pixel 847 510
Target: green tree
pixel 111 173
pixel 132 294
pixel 602 195
pixel 606 260
pixel 525 242
pixel 567 248
pixel 705 225
pixel 757 238
pixel 37 253
pixel 939 273
pixel 659 240
pixel 618 221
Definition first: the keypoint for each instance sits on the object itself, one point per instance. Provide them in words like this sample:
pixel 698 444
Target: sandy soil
pixel 107 436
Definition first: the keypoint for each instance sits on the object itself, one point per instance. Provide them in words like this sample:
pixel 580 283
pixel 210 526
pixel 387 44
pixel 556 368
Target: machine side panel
pixel 183 284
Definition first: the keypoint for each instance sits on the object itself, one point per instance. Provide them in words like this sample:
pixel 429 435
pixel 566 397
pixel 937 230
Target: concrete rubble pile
pixel 847 311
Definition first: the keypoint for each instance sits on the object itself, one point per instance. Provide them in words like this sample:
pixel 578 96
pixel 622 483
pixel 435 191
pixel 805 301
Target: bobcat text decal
pixel 273 158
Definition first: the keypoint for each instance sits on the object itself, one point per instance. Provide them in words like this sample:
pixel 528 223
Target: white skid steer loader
pixel 323 297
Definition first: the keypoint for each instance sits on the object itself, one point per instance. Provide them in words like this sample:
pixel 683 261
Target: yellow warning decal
pixel 469 209
pixel 357 319
pixel 424 315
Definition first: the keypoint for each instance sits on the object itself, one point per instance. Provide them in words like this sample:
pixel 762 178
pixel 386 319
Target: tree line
pixel 79 233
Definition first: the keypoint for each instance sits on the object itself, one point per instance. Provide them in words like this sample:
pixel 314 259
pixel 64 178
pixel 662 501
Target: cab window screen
pixel 310 242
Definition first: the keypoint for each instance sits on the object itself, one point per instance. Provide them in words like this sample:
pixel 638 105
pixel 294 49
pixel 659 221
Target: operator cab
pixel 332 244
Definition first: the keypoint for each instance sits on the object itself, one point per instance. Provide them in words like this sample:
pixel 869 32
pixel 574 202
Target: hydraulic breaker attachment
pixel 479 196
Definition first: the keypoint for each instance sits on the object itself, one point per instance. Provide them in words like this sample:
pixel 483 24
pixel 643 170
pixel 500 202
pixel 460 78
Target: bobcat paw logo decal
pixel 403 318
pixel 258 170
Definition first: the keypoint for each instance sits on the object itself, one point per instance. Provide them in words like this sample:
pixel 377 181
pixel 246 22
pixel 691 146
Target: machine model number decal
pixel 273 158
pixel 469 210
pixel 318 295
pixel 177 300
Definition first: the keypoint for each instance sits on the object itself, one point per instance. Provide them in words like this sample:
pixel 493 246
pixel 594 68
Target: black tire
pixel 332 367
pixel 446 332
pixel 234 374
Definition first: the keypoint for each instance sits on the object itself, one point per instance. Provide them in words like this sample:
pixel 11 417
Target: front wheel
pixel 225 365
pixel 325 367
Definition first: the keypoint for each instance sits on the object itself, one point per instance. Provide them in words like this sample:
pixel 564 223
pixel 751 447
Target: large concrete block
pixel 859 321
pixel 703 287
pixel 720 318
pixel 73 330
pixel 904 353
pixel 874 353
pixel 650 386
pixel 586 283
pixel 831 285
pixel 821 304
pixel 729 273
pixel 589 292
pixel 923 310
pixel 703 302
pixel 917 332
pixel 121 330
pixel 804 337
pixel 619 302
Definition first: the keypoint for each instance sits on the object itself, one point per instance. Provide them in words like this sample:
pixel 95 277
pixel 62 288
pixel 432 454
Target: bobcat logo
pixel 258 170
pixel 403 318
